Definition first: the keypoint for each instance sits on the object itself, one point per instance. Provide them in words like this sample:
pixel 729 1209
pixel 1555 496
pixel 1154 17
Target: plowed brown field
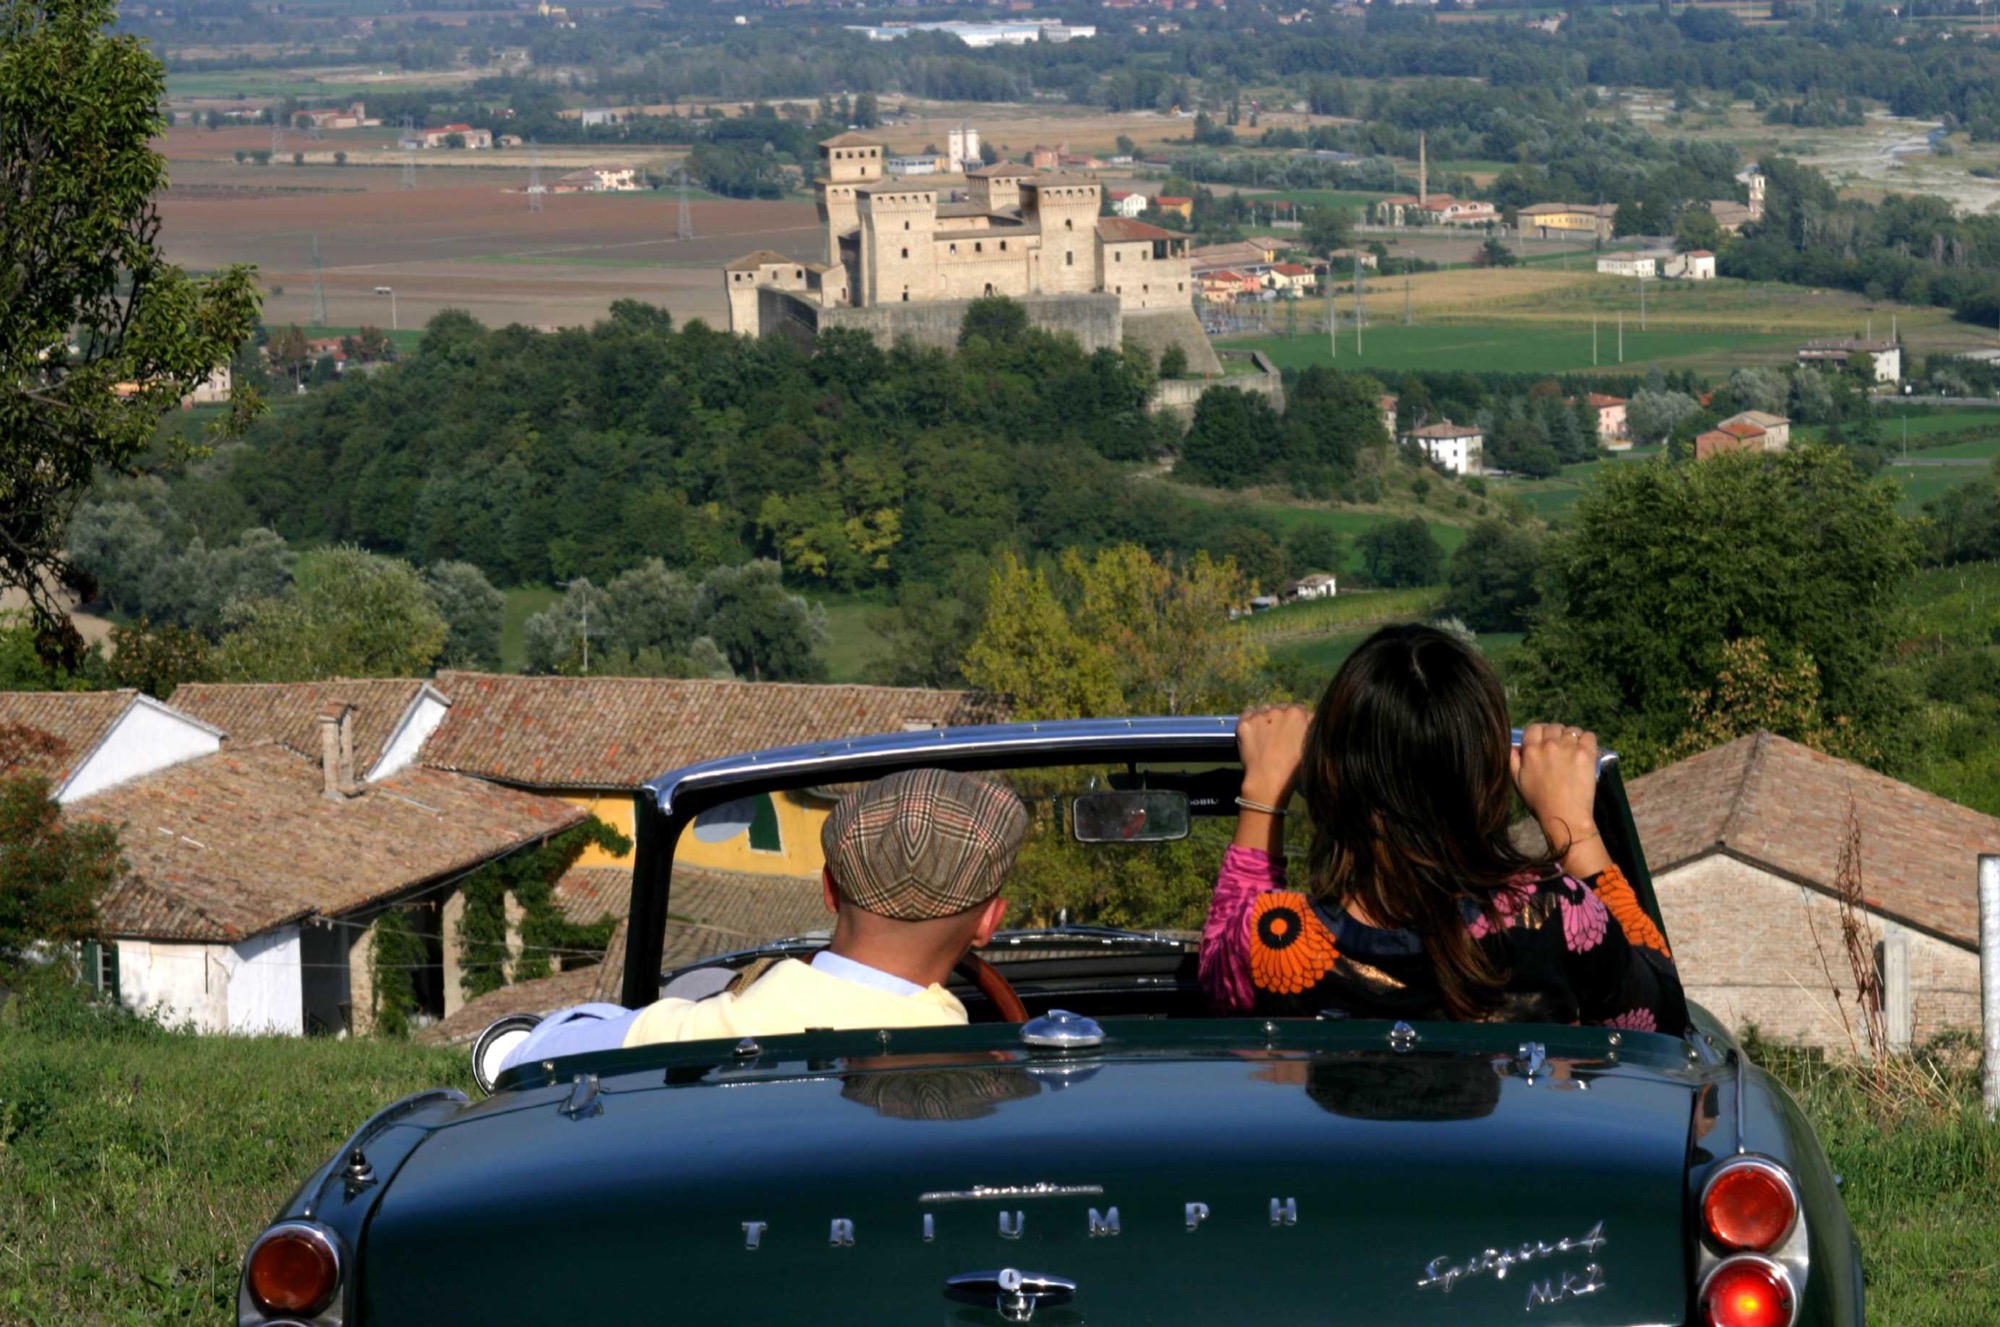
pixel 462 238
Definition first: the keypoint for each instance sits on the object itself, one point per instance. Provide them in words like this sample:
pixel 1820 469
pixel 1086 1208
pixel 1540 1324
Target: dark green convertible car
pixel 1094 1147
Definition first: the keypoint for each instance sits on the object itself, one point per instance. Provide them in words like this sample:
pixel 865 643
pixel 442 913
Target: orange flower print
pixel 1290 947
pixel 1617 894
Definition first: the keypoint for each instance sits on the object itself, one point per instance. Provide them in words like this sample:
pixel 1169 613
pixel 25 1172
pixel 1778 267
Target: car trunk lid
pixel 1363 1185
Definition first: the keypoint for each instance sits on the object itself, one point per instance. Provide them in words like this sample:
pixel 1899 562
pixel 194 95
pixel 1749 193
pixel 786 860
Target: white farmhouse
pixel 1456 448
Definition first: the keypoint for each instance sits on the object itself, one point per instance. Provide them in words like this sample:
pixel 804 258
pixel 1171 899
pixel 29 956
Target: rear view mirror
pixel 1142 815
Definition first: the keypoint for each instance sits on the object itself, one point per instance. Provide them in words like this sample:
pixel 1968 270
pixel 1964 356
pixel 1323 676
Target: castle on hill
pixel 902 259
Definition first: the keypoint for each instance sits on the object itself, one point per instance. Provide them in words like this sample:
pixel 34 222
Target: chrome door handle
pixel 1016 1294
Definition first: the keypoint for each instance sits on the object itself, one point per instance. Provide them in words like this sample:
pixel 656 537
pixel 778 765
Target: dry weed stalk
pixel 1896 1084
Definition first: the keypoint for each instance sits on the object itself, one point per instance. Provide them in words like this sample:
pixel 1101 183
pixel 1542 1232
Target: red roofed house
pixel 1128 204
pixel 1744 843
pixel 1180 207
pixel 1290 280
pixel 1612 431
pixel 83 742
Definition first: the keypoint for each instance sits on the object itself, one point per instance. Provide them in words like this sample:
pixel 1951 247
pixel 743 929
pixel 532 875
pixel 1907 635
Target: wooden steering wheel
pixel 993 986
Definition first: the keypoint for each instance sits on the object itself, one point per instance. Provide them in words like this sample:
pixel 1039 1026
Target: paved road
pixel 1940 460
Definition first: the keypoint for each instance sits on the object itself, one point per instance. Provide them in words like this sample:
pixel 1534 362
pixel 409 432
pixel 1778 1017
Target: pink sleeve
pixel 1225 938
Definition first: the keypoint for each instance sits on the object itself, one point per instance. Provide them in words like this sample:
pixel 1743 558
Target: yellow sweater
pixel 791 997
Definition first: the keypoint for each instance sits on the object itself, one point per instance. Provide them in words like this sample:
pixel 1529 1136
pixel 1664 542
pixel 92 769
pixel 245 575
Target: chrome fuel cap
pixel 1063 1030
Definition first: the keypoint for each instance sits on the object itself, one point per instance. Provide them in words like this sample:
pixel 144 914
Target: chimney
pixel 336 750
pixel 1423 172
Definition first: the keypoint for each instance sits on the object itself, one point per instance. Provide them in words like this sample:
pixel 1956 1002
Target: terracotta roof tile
pixel 755 259
pixel 77 720
pixel 234 844
pixel 618 732
pixel 1123 230
pixel 288 712
pixel 850 139
pixel 1783 806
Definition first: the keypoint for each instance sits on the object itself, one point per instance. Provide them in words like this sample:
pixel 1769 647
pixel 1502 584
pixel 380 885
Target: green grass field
pixel 852 641
pixel 1320 197
pixel 1514 348
pixel 136 1166
pixel 522 604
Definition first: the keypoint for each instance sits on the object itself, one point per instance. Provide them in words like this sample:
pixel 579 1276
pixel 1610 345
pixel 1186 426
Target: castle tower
pixel 1065 207
pixel 997 188
pixel 846 161
pixel 1756 183
pixel 898 242
pixel 1423 171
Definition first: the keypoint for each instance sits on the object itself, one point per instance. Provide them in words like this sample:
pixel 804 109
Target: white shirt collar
pixel 846 969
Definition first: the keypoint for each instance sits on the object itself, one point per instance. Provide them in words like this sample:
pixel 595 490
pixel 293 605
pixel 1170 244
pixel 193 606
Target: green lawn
pixel 1517 348
pixel 1922 483
pixel 522 604
pixel 852 641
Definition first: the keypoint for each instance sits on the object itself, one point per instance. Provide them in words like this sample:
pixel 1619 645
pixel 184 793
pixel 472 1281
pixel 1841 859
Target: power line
pixel 685 230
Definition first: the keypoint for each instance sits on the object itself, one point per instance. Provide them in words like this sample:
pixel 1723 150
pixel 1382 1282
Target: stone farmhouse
pixel 1744 842
pixel 1568 221
pixel 903 258
pixel 1749 431
pixel 270 827
pixel 1457 448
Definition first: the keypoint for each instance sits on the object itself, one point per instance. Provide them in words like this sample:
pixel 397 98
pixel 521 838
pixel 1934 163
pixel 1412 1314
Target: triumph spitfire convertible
pixel 1093 1147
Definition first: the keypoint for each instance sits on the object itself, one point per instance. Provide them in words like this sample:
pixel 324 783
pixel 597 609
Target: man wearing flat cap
pixel 914 866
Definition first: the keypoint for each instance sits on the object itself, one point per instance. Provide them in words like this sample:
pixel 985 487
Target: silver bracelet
pixel 1249 805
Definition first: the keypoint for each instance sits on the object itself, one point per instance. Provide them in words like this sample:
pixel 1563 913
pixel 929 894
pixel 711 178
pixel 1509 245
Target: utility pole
pixel 1593 340
pixel 1332 317
pixel 685 230
pixel 1360 315
pixel 319 289
pixel 1642 304
pixel 1621 338
pixel 409 152
pixel 1406 293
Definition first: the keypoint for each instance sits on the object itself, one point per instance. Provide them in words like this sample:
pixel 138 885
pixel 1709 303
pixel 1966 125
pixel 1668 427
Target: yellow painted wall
pixel 799 822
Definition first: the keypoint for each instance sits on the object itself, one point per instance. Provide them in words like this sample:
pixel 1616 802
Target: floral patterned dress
pixel 1575 951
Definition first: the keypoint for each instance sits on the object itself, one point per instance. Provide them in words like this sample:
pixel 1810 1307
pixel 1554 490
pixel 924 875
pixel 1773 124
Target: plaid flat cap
pixel 924 843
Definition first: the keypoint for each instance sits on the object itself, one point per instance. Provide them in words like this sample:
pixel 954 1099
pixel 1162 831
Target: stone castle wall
pixel 1094 320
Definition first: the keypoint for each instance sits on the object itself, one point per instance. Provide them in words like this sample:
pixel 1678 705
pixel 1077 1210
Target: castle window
pixel 1117 257
pixel 1069 223
pixel 954 249
pixel 1181 286
pixel 1069 259
pixel 1003 246
pixel 906 225
pixel 906 294
pixel 979 246
pixel 906 253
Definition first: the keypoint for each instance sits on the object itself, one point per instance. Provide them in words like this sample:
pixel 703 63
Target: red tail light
pixel 1747 1292
pixel 293 1269
pixel 1749 1204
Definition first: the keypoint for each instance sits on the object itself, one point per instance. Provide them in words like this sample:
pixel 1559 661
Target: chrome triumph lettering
pixel 842 1233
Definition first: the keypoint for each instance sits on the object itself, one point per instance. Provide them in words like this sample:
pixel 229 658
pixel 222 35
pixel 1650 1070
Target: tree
pixel 1311 547
pixel 867 115
pixel 1491 582
pixel 1697 229
pixel 290 354
pixel 1495 253
pixel 349 614
pixel 53 870
pixel 1174 361
pixel 1028 650
pixel 102 336
pixel 1324 229
pixel 1165 629
pixel 767 633
pixel 157 659
pixel 570 634
pixel 1652 416
pixel 1659 566
pixel 1760 389
pixel 1755 693
pixel 994 318
pixel 1233 441
pixel 1401 553
pixel 473 612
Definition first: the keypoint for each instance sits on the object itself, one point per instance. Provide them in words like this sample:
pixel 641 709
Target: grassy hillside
pixel 136 1165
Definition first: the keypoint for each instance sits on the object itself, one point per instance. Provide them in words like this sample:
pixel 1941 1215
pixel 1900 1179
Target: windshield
pixel 749 873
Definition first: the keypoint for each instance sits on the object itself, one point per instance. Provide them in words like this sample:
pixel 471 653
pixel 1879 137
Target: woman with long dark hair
pixel 1419 902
